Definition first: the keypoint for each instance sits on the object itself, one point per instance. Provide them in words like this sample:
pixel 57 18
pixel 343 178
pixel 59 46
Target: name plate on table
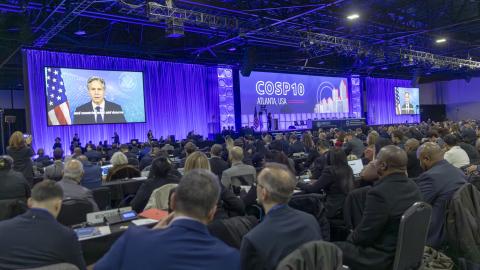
pixel 99 217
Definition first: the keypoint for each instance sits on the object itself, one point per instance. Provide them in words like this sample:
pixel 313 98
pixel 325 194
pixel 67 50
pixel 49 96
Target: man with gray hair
pixel 239 173
pixel 283 229
pixel 70 183
pixel 180 241
pixel 98 110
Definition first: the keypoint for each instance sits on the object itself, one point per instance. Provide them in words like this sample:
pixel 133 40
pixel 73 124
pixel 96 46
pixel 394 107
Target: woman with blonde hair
pixel 196 160
pixel 21 152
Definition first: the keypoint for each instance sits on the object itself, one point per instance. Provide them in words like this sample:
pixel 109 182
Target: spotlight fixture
pixel 232 49
pixel 80 33
pixel 441 40
pixel 353 16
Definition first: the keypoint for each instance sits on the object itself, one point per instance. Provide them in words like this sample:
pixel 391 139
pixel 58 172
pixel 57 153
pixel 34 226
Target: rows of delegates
pixel 402 165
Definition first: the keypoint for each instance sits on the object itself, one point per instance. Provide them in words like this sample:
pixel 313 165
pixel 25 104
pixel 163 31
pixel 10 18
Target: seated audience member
pixel 57 143
pixel 42 160
pixel 437 184
pixel 112 150
pixel 321 148
pixel 217 164
pixel 372 244
pixel 13 185
pixel 181 241
pixel 336 180
pixel 55 171
pixel 70 183
pixel 189 148
pixel 455 155
pixel 159 175
pixel 21 152
pixel 92 176
pixel 77 151
pixel 93 155
pixel 121 169
pixel 398 138
pixel 353 145
pixel 432 136
pixel 467 144
pixel 147 159
pixel 283 229
pixel 228 204
pixel 307 141
pixel 131 157
pixel 295 146
pixel 35 238
pixel 413 166
pixel 238 168
pixel 280 157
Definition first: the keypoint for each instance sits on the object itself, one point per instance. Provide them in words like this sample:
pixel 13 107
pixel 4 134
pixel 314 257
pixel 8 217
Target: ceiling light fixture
pixel 441 40
pixel 353 16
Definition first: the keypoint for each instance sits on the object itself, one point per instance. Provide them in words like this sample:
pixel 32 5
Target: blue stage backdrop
pixel 381 102
pixel 178 98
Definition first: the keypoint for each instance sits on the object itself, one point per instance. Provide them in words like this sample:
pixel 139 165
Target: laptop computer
pixel 357 166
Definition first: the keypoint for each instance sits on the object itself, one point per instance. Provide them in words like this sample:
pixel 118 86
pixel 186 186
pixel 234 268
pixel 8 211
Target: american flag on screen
pixel 255 119
pixel 57 102
pixel 398 108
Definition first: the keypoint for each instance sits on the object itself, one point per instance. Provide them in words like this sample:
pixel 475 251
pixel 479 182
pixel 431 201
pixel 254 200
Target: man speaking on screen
pixel 98 110
pixel 407 107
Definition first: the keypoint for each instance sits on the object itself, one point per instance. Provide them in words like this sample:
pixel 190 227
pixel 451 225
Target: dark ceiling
pixel 285 35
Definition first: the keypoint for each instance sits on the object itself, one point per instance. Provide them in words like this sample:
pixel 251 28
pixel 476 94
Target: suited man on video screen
pixel 407 107
pixel 98 110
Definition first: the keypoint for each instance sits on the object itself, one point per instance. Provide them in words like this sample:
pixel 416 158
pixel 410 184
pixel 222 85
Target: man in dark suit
pixel 93 155
pixel 283 229
pixel 407 107
pixel 217 164
pixel 438 184
pixel 353 145
pixel 296 146
pixel 373 242
pixel 98 110
pixel 35 238
pixel 92 174
pixel 180 241
pixel 413 167
pixel 13 185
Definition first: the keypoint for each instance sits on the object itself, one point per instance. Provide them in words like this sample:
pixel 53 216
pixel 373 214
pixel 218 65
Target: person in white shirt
pixel 455 155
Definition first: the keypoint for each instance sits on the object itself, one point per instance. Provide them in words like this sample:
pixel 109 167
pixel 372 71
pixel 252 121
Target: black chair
pixel 313 204
pixel 313 255
pixel 412 235
pixel 241 180
pixel 74 211
pixel 10 208
pixel 102 197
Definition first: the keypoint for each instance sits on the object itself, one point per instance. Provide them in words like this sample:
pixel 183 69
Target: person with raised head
pixel 353 145
pixel 217 164
pixel 70 183
pixel 413 167
pixel 438 184
pixel 455 155
pixel 296 146
pixel 283 229
pixel 42 160
pixel 98 110
pixel 21 152
pixel 160 174
pixel 181 241
pixel 55 171
pixel 373 242
pixel 92 173
pixel 35 238
pixel 238 168
pixel 121 169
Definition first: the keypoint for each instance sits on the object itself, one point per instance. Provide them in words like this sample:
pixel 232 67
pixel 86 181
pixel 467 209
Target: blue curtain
pixel 178 98
pixel 381 102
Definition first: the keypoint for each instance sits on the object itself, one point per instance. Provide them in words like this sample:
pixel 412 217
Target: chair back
pixel 159 197
pixel 10 208
pixel 313 255
pixel 412 235
pixel 58 266
pixel 102 197
pixel 313 204
pixel 243 180
pixel 74 211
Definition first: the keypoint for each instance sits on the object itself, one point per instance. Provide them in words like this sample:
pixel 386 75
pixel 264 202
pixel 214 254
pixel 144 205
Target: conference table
pixel 121 188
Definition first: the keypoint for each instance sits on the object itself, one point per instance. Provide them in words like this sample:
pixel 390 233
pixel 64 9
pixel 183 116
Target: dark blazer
pixel 145 191
pixel 90 118
pixel 36 239
pixel 437 186
pixel 332 186
pixel 92 176
pixel 218 165
pixel 122 172
pixel 13 185
pixel 354 147
pixel 373 242
pixel 185 244
pixel 413 165
pixel 93 156
pixel 472 152
pixel 283 230
pixel 22 161
pixel 296 147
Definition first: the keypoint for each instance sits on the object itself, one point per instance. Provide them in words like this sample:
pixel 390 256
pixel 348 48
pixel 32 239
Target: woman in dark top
pixel 21 152
pixel 160 174
pixel 336 181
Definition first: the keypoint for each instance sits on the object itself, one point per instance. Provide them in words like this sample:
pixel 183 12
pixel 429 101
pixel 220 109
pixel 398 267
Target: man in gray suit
pixel 437 184
pixel 239 173
pixel 70 183
pixel 353 145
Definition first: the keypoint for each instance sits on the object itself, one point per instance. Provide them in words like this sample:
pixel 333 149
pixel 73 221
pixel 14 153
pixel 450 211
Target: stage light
pixel 353 16
pixel 232 49
pixel 441 40
pixel 384 68
pixel 80 33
